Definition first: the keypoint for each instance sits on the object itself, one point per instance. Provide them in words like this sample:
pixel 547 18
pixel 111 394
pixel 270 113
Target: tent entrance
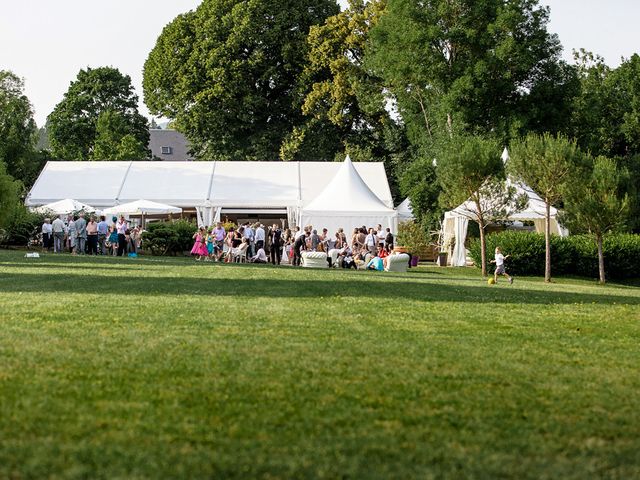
pixel 266 216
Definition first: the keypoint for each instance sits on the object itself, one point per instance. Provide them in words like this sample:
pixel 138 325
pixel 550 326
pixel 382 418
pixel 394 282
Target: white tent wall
pixel 281 186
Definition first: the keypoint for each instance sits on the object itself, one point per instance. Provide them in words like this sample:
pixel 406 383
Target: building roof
pixel 169 145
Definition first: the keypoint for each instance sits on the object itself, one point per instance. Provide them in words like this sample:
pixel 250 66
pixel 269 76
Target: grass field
pixel 165 368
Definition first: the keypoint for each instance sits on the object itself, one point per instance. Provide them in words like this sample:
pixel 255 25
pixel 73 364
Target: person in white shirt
pixel 57 228
pixel 500 270
pixel 297 233
pixel 249 235
pixel 260 257
pixel 381 235
pixel 121 227
pixel 47 232
pixel 371 241
pixel 260 237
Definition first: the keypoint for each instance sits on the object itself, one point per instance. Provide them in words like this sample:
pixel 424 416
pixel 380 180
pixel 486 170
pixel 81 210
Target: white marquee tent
pixel 141 207
pixel 65 206
pixel 348 202
pixel 405 212
pixel 456 221
pixel 211 188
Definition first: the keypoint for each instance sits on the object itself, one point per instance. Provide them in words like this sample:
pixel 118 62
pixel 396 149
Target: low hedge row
pixel 169 238
pixel 573 255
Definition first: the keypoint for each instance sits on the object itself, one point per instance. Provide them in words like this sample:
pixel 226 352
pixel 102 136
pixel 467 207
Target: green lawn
pixel 167 368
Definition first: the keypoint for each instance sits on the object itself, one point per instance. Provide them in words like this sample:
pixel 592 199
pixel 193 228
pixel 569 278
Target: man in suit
pixel 275 244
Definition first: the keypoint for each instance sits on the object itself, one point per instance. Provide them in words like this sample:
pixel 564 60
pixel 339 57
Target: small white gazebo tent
pixel 405 212
pixel 66 206
pixel 347 202
pixel 142 208
pixel 456 221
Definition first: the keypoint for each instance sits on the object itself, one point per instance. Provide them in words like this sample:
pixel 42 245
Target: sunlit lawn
pixel 168 368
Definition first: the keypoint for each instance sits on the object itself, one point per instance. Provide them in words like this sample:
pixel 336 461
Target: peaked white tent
pixel 142 207
pixel 456 221
pixel 63 207
pixel 405 212
pixel 347 202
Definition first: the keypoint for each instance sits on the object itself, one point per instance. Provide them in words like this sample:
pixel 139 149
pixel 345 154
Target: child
pixel 113 240
pixel 199 249
pixel 499 261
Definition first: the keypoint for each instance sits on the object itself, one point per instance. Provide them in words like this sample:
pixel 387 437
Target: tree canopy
pixel 18 131
pixel 228 73
pixel 97 93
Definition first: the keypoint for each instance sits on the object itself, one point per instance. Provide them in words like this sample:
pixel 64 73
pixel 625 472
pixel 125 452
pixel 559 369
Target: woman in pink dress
pixel 200 246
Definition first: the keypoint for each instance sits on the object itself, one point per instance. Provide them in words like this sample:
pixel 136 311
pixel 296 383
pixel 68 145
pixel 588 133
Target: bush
pixel 169 238
pixel 573 255
pixel 22 227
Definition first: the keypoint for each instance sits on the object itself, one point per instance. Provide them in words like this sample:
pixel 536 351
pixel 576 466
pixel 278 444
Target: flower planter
pixel 414 260
pixel 442 259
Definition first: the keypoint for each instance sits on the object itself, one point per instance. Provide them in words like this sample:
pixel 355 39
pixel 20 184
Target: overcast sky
pixel 47 42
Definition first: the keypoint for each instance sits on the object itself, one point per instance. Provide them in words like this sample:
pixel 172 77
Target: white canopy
pixel 405 212
pixel 213 188
pixel 63 207
pixel 348 202
pixel 141 207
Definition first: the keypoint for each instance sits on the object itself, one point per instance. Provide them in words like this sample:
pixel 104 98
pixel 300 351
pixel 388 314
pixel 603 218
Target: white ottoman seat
pixel 397 262
pixel 314 260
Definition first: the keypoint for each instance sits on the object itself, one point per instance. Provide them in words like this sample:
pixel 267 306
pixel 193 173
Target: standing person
pixel 103 232
pixel 72 235
pixel 47 234
pixel 218 236
pixel 249 234
pixel 275 249
pixel 113 240
pixel 58 235
pixel 297 233
pixel 81 229
pixel 388 240
pixel 92 236
pixel 500 270
pixel 121 228
pixel 371 241
pixel 199 249
pixel 315 240
pixel 260 237
pixel 381 235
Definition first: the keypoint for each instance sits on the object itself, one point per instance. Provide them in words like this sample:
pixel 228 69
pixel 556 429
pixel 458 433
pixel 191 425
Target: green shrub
pixel 573 255
pixel 169 238
pixel 22 227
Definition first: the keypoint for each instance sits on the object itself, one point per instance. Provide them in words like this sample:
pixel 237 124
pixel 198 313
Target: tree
pixel 228 73
pixel 546 163
pixel 73 124
pixel 596 203
pixel 467 61
pixel 470 169
pixel 18 131
pixel 9 194
pixel 113 141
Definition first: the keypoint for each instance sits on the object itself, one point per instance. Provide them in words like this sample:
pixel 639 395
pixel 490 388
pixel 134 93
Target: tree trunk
pixel 547 242
pixel 483 249
pixel 600 258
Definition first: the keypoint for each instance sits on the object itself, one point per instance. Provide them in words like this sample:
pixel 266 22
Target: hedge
pixel 573 255
pixel 169 238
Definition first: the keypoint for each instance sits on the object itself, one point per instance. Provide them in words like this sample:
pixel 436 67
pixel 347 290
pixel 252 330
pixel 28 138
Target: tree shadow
pixel 352 286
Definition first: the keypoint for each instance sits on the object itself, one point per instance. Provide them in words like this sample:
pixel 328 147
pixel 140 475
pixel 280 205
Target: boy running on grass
pixel 499 261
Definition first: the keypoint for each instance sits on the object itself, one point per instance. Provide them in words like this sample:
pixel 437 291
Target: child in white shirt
pixel 500 270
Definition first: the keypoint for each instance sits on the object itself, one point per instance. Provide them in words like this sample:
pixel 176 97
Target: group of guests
pixel 78 236
pixel 259 244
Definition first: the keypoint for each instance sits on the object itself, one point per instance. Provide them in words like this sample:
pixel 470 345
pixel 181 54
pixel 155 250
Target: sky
pixel 47 42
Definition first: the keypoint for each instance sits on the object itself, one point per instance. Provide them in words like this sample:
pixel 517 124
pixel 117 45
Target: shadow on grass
pixel 350 287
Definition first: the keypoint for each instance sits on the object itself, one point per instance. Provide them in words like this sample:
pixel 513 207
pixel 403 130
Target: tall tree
pixel 18 131
pixel 547 164
pixel 228 74
pixel 471 169
pixel 467 61
pixel 9 194
pixel 73 124
pixel 113 140
pixel 597 203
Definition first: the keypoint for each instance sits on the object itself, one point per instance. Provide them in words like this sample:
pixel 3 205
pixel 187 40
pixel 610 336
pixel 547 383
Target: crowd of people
pixel 259 244
pixel 76 235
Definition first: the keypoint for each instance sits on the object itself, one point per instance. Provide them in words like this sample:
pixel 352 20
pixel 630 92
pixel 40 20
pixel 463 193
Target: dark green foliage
pixel 169 238
pixel 22 227
pixel 9 194
pixel 573 255
pixel 98 119
pixel 18 132
pixel 228 74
